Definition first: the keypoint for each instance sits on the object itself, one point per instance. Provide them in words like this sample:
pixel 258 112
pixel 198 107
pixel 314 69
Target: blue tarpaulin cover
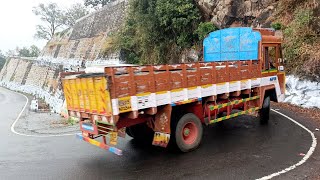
pixel 232 44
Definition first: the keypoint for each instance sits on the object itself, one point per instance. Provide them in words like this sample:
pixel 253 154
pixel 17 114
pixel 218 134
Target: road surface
pixel 236 149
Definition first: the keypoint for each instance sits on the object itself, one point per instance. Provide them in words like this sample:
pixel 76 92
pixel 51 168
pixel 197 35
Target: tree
pixel 204 29
pixel 32 51
pixel 157 31
pixel 74 13
pixel 24 52
pixel 52 16
pixel 97 3
pixel 178 18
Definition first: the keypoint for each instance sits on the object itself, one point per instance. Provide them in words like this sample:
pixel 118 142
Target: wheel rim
pixel 189 133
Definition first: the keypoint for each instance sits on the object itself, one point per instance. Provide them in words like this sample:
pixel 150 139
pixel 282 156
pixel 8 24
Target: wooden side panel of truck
pixel 167 104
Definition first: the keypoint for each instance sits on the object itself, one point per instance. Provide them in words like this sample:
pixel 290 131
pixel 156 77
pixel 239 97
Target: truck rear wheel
pixel 140 132
pixel 264 112
pixel 187 132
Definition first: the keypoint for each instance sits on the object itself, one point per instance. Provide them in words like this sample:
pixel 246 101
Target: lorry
pixel 241 72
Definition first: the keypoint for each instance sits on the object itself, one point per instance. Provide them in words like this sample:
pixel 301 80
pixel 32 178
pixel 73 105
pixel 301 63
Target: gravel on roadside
pixel 312 113
pixel 34 123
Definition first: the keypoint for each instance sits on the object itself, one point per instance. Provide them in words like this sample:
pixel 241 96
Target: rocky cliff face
pixel 225 13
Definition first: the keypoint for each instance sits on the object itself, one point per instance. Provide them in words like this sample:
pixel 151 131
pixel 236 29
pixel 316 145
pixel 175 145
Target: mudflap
pixel 162 126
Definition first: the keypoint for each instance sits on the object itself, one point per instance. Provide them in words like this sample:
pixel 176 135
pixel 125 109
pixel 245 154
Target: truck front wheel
pixel 265 111
pixel 187 132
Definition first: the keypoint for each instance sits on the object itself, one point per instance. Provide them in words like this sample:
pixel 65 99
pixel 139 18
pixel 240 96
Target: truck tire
pixel 265 111
pixel 140 132
pixel 186 133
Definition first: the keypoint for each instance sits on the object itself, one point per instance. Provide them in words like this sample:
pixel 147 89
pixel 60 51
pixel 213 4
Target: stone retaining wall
pixel 86 39
pixel 19 74
pixel 9 69
pixel 35 78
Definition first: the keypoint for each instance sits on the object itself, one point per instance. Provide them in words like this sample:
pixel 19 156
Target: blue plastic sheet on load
pixel 232 44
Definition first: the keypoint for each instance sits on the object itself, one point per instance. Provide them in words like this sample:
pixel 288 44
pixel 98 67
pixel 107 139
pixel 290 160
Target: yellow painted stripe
pixel 96 143
pixel 177 90
pixel 234 115
pixel 207 86
pixel 273 71
pixel 162 92
pixel 270 71
pixel 193 88
pixel 234 102
pixel 187 101
pixel 219 84
pixel 144 94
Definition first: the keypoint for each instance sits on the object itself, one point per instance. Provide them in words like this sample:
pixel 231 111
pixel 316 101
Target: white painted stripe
pixel 29 135
pixel 177 95
pixel 267 81
pixel 304 159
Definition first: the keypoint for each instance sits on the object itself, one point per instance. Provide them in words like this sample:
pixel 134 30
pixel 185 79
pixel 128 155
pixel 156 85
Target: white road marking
pixel 29 135
pixel 304 159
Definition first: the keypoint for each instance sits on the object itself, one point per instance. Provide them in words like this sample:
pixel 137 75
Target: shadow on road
pixel 232 149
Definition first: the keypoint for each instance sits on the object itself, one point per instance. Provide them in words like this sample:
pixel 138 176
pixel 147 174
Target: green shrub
pixel 204 29
pixel 72 121
pixel 156 31
pixel 276 26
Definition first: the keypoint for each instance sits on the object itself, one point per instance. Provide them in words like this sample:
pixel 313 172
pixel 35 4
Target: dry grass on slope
pixel 300 23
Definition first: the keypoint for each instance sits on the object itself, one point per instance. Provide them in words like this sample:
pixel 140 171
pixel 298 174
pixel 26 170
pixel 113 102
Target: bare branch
pixel 51 15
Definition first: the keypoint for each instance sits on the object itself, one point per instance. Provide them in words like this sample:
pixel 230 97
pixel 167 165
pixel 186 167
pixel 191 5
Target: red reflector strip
pixel 101 145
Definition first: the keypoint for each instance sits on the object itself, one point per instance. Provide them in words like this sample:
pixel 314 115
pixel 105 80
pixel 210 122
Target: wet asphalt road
pixel 236 149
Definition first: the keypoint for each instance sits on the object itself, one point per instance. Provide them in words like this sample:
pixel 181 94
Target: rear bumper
pixel 101 145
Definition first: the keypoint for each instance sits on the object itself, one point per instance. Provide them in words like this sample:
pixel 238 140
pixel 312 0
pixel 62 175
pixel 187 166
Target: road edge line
pixel 30 135
pixel 304 159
